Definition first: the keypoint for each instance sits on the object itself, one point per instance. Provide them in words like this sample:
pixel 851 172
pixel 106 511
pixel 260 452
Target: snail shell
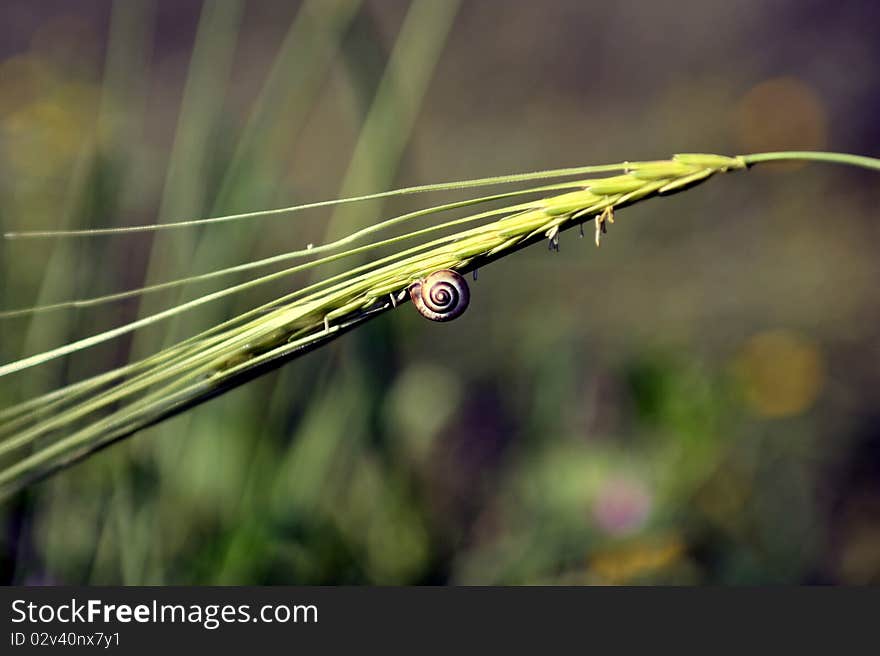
pixel 442 296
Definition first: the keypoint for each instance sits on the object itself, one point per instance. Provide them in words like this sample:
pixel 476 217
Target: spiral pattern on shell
pixel 442 296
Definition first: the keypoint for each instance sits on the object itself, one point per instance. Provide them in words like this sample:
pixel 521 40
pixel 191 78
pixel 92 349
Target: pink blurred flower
pixel 622 506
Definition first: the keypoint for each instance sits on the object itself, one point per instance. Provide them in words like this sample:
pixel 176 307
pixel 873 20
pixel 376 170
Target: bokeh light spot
pixel 22 79
pixel 422 400
pixel 781 114
pixel 629 562
pixel 781 373
pixel 69 43
pixel 622 506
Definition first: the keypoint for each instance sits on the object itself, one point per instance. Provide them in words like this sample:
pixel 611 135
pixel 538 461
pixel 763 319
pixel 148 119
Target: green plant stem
pixel 813 156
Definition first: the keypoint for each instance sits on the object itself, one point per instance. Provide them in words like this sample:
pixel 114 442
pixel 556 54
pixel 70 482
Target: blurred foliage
pixel 695 402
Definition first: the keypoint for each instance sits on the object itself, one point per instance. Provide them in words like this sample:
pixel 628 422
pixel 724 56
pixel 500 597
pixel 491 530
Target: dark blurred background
pixel 694 402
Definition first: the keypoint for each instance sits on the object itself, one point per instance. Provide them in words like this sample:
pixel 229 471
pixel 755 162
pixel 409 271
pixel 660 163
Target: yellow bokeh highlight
pixel 69 42
pixel 45 118
pixel 781 373
pixel 22 80
pixel 781 114
pixel 626 563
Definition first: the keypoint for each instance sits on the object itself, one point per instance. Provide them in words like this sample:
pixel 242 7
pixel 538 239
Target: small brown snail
pixel 442 296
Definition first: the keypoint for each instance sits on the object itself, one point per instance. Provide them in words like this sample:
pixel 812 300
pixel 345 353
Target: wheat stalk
pixel 43 435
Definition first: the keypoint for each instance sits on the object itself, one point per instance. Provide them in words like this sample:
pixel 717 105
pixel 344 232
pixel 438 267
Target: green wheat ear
pixel 45 434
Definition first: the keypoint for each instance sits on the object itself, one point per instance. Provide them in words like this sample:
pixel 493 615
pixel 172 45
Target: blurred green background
pixel 694 402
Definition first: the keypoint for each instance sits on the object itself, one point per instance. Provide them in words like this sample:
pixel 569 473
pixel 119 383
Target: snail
pixel 442 296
